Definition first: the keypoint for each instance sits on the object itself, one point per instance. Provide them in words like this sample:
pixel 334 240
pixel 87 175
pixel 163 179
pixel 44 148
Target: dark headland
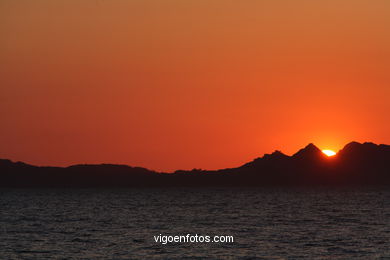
pixel 355 164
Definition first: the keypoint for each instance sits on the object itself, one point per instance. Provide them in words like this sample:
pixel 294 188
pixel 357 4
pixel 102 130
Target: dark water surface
pixel 265 223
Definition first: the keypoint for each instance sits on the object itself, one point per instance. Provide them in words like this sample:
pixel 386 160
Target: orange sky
pixel 173 84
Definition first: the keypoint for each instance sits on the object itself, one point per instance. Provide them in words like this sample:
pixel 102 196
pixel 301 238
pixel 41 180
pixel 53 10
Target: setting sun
pixel 329 152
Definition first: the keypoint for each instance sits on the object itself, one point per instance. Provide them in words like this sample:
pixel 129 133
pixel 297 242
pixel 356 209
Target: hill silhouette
pixel 355 164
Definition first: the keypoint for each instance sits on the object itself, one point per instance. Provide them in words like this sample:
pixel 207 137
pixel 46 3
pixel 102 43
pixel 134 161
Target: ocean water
pixel 265 223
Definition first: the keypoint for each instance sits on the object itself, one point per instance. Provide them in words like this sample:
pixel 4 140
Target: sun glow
pixel 329 152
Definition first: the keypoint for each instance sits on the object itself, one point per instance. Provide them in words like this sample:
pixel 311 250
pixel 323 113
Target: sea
pixel 254 223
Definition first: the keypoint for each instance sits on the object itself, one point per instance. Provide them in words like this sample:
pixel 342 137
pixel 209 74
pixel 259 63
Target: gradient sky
pixel 182 84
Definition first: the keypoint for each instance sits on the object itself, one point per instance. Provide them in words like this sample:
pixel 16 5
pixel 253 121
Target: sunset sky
pixel 182 84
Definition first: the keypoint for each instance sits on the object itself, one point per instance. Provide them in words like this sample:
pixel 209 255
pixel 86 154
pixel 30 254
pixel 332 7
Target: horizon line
pixel 194 168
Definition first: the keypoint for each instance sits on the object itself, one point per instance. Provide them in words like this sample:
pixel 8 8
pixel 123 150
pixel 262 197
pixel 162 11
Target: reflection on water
pixel 120 224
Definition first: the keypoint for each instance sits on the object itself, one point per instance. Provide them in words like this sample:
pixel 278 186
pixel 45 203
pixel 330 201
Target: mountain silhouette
pixel 355 164
pixel 310 151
